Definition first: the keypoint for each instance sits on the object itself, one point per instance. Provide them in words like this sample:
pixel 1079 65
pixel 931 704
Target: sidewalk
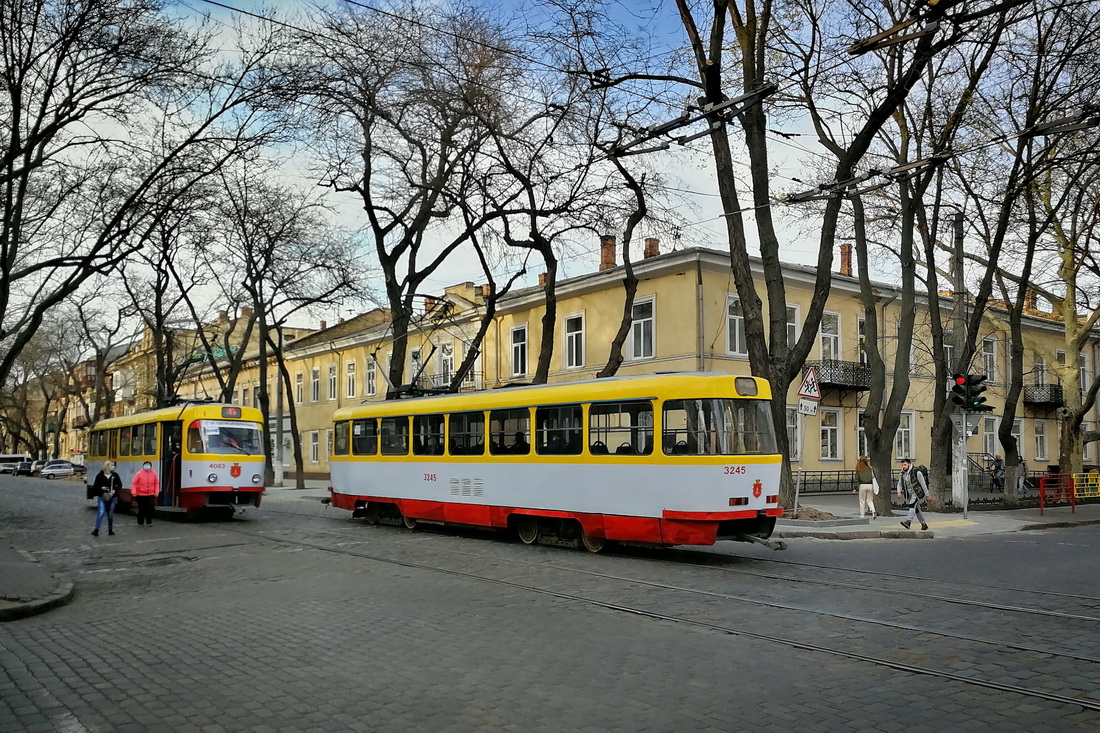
pixel 849 526
pixel 28 588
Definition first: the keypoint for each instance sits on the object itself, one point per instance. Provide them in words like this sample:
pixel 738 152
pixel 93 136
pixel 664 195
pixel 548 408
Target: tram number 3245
pixel 429 477
pixel 735 470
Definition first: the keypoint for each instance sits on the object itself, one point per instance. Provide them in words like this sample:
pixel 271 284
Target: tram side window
pixel 428 435
pixel 364 437
pixel 622 428
pixel 717 427
pixel 510 432
pixel 124 442
pixel 559 430
pixel 150 440
pixel 136 440
pixel 341 432
pixel 395 436
pixel 194 439
pixel 468 434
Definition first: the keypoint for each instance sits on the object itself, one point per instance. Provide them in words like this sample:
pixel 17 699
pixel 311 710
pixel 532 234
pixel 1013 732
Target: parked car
pixel 8 468
pixel 80 469
pixel 23 468
pixel 57 469
pixel 36 467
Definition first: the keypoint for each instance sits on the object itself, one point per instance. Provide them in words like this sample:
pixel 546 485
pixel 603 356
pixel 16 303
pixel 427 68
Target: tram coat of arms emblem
pixel 235 471
pixel 757 488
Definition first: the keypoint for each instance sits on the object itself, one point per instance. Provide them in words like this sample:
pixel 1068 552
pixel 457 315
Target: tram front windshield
pixel 718 427
pixel 224 436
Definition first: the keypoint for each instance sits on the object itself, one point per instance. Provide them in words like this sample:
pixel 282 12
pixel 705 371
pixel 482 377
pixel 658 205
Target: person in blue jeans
pixel 106 487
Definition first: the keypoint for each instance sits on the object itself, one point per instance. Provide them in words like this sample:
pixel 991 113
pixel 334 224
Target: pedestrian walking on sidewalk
pixel 106 486
pixel 866 486
pixel 145 488
pixel 913 488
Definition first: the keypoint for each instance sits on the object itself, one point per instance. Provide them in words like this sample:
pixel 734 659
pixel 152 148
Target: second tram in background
pixel 206 455
pixel 678 459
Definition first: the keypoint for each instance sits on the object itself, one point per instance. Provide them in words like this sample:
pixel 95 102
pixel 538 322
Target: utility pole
pixel 277 454
pixel 960 494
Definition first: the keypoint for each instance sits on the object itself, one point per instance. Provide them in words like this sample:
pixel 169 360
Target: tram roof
pixel 647 386
pixel 190 410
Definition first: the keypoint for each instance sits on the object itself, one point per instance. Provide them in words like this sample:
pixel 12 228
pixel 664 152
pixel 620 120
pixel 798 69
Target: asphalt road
pixel 296 617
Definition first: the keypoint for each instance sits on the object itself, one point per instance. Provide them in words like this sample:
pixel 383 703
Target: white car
pixel 8 467
pixel 57 469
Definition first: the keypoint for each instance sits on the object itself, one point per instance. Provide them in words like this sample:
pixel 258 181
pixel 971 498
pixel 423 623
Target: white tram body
pixel 595 468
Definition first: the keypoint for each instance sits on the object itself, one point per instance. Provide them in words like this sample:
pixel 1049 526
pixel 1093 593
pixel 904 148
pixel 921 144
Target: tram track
pixel 637 610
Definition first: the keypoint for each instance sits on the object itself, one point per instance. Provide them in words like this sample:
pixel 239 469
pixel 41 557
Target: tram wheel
pixel 592 544
pixel 410 523
pixel 528 530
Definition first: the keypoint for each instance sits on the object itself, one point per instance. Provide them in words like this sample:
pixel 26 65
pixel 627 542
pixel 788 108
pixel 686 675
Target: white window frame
pixel 949 349
pixel 1039 370
pixel 837 438
pixel 245 392
pixel 1018 433
pixel 989 358
pixel 328 443
pixel 1039 429
pixel 299 388
pixel 794 434
pixel 1086 449
pixel 314 447
pixel 372 379
pixel 831 337
pixel 861 338
pixel 1083 372
pixel 519 349
pixel 446 363
pixel 333 379
pixel 635 325
pixel 903 438
pixel 416 357
pixel 1061 357
pixel 794 324
pixel 989 435
pixel 735 328
pixel 861 435
pixel 315 384
pixel 350 382
pixel 574 341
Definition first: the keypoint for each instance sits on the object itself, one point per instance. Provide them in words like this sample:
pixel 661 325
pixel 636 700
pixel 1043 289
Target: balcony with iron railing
pixel 841 375
pixel 472 383
pixel 1044 395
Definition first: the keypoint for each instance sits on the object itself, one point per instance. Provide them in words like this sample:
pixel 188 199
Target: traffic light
pixel 967 392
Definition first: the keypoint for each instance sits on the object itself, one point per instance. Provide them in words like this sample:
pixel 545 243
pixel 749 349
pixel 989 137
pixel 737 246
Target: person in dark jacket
pixel 105 488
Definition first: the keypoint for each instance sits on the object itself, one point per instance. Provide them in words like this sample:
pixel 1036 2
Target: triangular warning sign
pixel 810 387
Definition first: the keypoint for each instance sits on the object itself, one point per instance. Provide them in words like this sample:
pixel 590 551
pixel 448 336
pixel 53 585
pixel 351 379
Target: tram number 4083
pixel 735 470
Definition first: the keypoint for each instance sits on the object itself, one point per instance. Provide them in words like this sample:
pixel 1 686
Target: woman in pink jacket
pixel 144 488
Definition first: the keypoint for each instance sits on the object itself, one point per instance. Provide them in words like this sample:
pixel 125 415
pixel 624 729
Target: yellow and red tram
pixel 674 459
pixel 205 455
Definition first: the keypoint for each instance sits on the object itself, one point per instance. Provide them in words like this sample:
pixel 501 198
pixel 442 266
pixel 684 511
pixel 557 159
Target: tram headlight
pixel 255 478
pixel 212 478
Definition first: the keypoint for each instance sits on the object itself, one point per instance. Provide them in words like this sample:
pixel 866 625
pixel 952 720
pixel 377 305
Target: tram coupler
pixel 770 544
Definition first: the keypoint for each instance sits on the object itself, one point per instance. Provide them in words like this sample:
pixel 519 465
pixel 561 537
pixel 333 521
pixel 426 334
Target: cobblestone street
pixel 296 617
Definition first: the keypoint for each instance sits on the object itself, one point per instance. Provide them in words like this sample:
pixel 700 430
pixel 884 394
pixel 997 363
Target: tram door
pixel 170 465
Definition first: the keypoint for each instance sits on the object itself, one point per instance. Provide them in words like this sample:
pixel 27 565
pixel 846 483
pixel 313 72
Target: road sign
pixel 807 407
pixel 810 388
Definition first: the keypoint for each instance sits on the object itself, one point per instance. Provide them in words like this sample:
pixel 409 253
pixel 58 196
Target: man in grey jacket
pixel 912 487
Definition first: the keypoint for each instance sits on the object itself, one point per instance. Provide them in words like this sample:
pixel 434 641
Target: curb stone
pixel 893 534
pixel 64 594
pixel 1059 525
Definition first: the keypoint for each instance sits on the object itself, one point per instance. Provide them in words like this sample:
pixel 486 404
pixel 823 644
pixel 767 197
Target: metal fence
pixel 833 482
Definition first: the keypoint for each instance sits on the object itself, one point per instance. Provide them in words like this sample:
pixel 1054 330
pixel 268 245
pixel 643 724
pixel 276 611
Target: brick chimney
pixel 324 325
pixel 1031 300
pixel 652 247
pixel 486 291
pixel 429 304
pixel 542 279
pixel 246 312
pixel 607 252
pixel 845 260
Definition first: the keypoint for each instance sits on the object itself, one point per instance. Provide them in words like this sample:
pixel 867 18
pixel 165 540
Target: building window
pixel 446 364
pixel 332 370
pixel 861 329
pixel 328 443
pixel 351 379
pixel 1040 440
pixel 519 351
pixel 299 387
pixel 989 359
pixel 989 429
pixel 1039 369
pixel 903 441
pixel 415 365
pixel 794 434
pixel 256 397
pixel 862 448
pixel 793 322
pixel 315 385
pixel 244 396
pixel 641 330
pixel 735 328
pixel 1061 355
pixel 830 336
pixel 372 379
pixel 1018 434
pixel 1083 368
pixel 830 434
pixel 313 447
pixel 574 342
pixel 949 349
pixel 1086 454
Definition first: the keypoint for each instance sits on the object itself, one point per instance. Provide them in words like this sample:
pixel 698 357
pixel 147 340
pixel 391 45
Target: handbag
pixel 874 485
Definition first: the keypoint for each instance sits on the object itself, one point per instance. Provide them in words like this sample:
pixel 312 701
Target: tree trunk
pixel 549 317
